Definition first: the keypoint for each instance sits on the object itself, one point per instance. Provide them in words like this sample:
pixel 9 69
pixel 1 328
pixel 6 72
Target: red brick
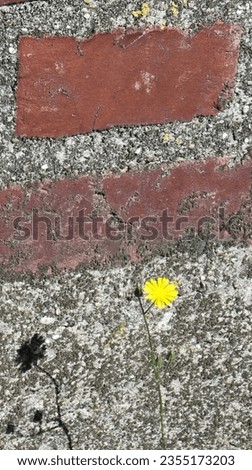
pixel 192 190
pixel 149 76
pixel 195 190
pixel 9 2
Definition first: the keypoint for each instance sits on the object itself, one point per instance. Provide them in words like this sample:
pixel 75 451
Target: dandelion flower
pixel 160 292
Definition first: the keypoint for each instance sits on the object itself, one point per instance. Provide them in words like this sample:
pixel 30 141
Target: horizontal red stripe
pixel 9 2
pixel 68 222
pixel 149 76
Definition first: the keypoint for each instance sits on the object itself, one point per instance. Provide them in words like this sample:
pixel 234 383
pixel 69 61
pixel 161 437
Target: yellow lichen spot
pixel 89 3
pixel 166 137
pixel 145 10
pixel 174 9
pixel 117 334
pixel 137 13
pixel 185 2
pixel 163 25
pixel 179 141
pixel 120 330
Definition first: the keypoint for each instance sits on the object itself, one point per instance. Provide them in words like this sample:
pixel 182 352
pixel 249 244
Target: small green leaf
pixel 159 361
pixel 171 356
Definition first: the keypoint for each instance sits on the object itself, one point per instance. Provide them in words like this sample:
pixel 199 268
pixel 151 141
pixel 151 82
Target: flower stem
pixel 156 375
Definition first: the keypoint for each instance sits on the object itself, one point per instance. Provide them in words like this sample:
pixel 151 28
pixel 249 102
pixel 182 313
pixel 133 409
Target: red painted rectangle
pixel 68 222
pixel 147 76
pixel 10 2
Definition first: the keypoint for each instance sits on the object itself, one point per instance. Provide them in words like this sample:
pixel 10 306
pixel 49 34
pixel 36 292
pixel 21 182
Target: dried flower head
pixel 38 416
pixel 10 428
pixel 30 352
pixel 138 291
pixel 160 292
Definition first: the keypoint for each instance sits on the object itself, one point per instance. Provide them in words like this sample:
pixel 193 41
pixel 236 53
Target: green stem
pixel 156 375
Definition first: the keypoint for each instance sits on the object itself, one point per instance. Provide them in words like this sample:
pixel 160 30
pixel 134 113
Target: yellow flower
pixel 160 292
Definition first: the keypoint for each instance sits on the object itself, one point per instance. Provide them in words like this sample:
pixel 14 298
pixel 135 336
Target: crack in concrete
pixel 122 41
pixel 96 117
pixel 79 50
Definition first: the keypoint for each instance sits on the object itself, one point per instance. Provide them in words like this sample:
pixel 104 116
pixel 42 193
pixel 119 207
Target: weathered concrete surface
pixel 146 76
pixel 68 222
pixel 97 348
pixel 109 399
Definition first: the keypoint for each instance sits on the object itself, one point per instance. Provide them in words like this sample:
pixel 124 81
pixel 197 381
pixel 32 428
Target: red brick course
pixel 149 76
pixel 9 2
pixel 68 222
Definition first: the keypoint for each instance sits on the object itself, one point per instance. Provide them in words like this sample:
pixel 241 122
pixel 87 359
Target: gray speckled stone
pixel 97 348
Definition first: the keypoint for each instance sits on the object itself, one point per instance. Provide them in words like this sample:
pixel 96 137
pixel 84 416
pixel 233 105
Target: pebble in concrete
pixel 121 217
pixel 146 76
